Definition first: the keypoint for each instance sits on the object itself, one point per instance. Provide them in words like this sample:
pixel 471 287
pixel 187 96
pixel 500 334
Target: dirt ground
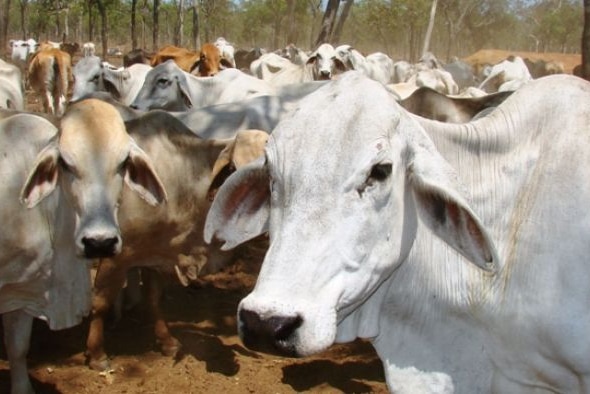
pixel 212 359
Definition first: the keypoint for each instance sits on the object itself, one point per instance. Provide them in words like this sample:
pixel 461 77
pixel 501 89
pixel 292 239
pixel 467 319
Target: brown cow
pixel 50 71
pixel 184 58
pixel 205 63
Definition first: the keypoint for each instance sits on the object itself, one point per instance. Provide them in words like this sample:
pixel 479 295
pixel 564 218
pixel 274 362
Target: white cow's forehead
pixel 337 118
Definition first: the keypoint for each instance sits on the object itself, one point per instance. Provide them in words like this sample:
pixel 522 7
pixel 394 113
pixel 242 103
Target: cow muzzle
pixel 101 246
pixel 273 335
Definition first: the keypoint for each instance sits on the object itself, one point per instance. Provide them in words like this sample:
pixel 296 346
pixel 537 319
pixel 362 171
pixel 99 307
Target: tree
pixel 340 25
pixel 328 21
pixel 426 46
pixel 134 24
pixel 104 26
pixel 586 42
pixel 156 27
pixel 178 35
pixel 4 19
pixel 195 31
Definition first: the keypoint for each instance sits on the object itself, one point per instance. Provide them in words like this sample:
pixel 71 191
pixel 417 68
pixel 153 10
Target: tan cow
pixel 167 238
pixel 76 176
pixel 50 71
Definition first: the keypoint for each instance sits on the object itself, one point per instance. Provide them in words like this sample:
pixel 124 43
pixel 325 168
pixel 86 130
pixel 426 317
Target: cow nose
pixel 99 247
pixel 325 74
pixel 271 335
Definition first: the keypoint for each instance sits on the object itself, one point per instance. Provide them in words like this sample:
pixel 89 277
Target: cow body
pixel 431 104
pixel 50 71
pixel 75 178
pixel 458 249
pixel 11 87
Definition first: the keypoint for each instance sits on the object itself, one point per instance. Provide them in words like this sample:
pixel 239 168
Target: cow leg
pixel 153 284
pixel 17 336
pixel 107 284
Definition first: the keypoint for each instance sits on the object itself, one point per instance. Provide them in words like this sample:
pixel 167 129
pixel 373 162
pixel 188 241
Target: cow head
pixel 325 63
pixel 340 190
pixel 87 77
pixel 91 157
pixel 165 87
pixel 210 61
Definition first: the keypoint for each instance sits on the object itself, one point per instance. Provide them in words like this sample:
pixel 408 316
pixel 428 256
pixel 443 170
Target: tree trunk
pixel 4 18
pixel 90 22
pixel 196 38
pixel 291 32
pixel 340 25
pixel 134 24
pixel 104 28
pixel 426 46
pixel 178 36
pixel 156 29
pixel 586 42
pixel 328 22
pixel 23 19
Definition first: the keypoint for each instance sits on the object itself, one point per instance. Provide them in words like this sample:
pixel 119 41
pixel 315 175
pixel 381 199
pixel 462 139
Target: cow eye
pixel 162 82
pixel 380 172
pixel 95 79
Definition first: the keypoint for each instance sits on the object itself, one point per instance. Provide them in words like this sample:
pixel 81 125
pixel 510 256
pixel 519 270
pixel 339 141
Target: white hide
pixel 459 249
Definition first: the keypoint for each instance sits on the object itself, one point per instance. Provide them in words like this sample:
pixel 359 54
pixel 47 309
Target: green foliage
pixel 396 27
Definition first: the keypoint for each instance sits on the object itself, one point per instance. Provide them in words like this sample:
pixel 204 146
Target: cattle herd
pixel 434 209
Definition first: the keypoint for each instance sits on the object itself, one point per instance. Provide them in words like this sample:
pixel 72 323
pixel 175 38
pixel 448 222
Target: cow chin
pixel 286 330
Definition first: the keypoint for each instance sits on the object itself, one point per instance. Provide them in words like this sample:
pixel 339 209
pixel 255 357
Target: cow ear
pixel 241 208
pixel 445 212
pixel 141 177
pixel 184 92
pixel 42 179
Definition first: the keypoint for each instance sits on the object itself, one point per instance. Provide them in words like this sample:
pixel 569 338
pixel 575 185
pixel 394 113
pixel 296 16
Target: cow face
pixel 21 49
pixel 324 63
pixel 87 77
pixel 91 158
pixel 341 217
pixel 165 87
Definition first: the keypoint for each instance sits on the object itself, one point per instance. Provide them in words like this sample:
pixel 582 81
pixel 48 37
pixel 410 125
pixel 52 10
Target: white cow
pixel 11 87
pixel 166 86
pixel 21 50
pixel 93 75
pixel 88 49
pixel 322 64
pixel 509 74
pixel 226 50
pixel 457 249
pixel 72 194
pixel 377 65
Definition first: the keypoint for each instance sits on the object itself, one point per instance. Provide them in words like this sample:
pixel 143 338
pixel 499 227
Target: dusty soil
pixel 493 56
pixel 212 360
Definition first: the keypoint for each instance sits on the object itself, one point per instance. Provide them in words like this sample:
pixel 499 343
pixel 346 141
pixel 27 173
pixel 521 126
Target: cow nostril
pixel 284 327
pixel 269 335
pixel 99 247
